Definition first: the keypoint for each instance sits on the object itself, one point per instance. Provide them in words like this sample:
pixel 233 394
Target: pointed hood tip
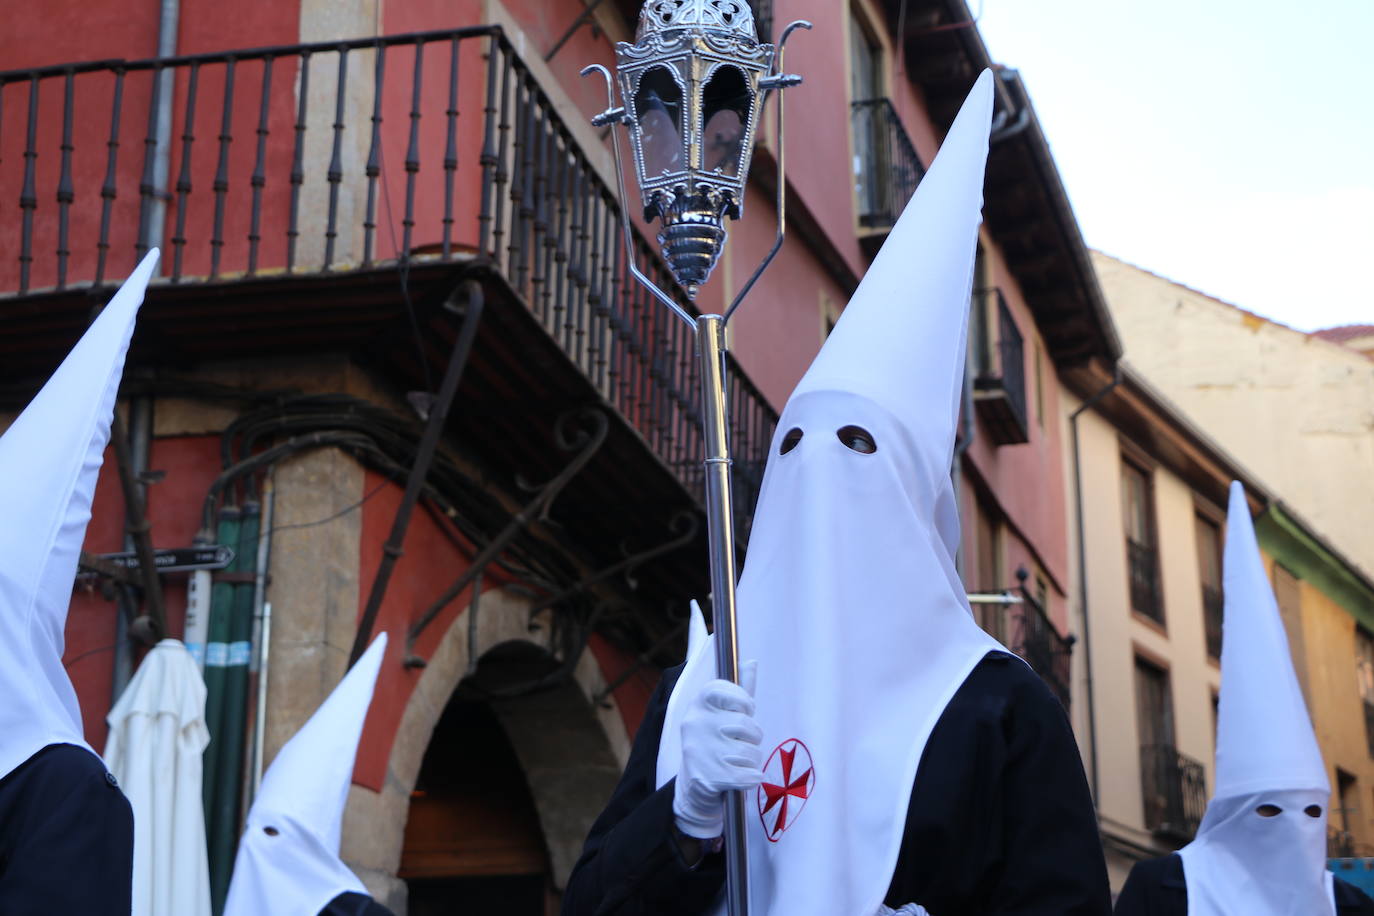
pixel 905 327
pixel 297 783
pixel 51 456
pixel 1265 738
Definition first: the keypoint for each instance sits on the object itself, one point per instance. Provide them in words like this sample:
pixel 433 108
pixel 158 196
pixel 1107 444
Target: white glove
pixel 911 909
pixel 720 753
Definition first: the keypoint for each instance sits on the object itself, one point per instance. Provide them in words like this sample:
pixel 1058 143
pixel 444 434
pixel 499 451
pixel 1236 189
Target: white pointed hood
pixel 49 460
pixel 849 599
pixel 288 860
pixel 1267 758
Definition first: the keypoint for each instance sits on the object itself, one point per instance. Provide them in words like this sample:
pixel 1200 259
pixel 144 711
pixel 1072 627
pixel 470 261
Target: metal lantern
pixel 692 85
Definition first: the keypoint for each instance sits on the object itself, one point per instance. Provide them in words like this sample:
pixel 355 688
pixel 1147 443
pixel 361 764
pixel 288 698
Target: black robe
pixel 1156 887
pixel 1000 820
pixel 66 837
pixel 351 904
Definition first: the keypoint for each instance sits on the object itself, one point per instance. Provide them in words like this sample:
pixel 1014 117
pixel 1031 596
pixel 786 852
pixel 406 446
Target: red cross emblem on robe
pixel 788 778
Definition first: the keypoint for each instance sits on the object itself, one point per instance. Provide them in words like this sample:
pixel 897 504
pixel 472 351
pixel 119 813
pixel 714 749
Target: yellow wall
pixel 1333 699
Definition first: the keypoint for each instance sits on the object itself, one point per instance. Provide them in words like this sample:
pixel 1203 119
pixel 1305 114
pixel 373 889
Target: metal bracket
pixel 684 523
pixel 568 436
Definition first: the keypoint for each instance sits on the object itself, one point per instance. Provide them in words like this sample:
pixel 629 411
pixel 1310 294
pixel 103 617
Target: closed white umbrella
pixel 157 738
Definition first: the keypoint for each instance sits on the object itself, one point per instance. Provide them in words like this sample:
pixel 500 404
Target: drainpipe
pixel 139 437
pixel 169 16
pixel 262 633
pixel 1083 571
pixel 967 430
pixel 1003 127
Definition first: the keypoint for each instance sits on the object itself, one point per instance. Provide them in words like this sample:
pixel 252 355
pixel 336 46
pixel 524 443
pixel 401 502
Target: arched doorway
pixel 515 768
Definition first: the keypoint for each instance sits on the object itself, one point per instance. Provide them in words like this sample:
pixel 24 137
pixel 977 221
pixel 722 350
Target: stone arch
pixel 569 773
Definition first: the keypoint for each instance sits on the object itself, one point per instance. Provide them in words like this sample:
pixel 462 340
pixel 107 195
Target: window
pixel 1155 723
pixel 1364 670
pixel 1348 794
pixel 987 569
pixel 979 340
pixel 1039 388
pixel 1137 506
pixel 1288 594
pixel 1209 572
pixel 872 157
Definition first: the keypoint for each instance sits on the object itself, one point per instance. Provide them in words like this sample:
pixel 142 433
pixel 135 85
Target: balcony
pixel 1213 609
pixel 1174 788
pixel 1031 635
pixel 330 198
pixel 1143 566
pixel 886 168
pixel 999 382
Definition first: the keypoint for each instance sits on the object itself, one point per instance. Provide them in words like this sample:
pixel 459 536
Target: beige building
pixel 1148 547
pixel 1285 403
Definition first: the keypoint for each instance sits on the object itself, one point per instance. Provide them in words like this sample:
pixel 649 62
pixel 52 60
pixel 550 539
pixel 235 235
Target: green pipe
pixel 229 775
pixel 216 655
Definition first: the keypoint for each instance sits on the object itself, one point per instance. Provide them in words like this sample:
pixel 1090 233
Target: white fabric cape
pixel 850 600
pixel 49 460
pixel 157 737
pixel 288 860
pixel 1267 754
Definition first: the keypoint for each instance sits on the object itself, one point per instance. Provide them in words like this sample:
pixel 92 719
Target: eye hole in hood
pixel 1268 810
pixel 857 439
pixel 789 441
pixel 1313 810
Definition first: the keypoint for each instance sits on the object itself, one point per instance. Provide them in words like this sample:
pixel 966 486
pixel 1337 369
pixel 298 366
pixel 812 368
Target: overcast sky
pixel 1224 144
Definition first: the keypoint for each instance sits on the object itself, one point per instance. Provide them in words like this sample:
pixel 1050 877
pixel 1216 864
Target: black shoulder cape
pixel 1156 887
pixel 1000 820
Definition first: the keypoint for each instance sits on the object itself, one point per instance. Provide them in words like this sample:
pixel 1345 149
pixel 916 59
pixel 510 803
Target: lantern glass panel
pixel 658 111
pixel 726 101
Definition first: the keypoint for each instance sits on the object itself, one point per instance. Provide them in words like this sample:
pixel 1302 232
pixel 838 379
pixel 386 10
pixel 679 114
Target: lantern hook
pixel 611 116
pixel 775 81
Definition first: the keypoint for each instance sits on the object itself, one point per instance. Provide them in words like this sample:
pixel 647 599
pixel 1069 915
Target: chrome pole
pixel 720 517
pixel 720 532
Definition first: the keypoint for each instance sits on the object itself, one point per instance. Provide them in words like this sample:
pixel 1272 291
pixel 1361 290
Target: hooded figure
pixel 288 860
pixel 66 831
pixel 1261 849
pixel 894 755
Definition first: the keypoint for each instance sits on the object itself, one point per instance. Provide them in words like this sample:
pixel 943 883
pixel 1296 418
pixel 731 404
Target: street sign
pixel 176 559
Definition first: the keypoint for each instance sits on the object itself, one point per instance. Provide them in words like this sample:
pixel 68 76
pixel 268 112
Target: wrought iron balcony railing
pixel 371 154
pixel 886 167
pixel 1144 575
pixel 1034 638
pixel 999 383
pixel 1174 787
pixel 1213 607
pixel 1341 844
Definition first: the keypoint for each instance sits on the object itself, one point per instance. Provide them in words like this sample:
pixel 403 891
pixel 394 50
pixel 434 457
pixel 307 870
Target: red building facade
pixel 339 191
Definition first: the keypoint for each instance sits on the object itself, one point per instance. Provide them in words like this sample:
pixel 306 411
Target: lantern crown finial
pixel 729 16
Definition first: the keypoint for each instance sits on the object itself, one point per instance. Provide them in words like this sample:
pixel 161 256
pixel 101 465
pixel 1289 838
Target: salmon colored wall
pixel 1026 480
pixel 632 697
pixel 777 331
pixel 429 562
pixel 91 620
pixel 818 156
